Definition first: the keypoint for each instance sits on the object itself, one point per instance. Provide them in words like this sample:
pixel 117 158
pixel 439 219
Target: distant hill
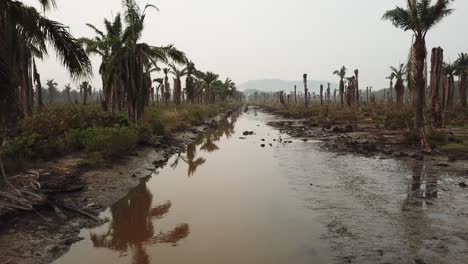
pixel 274 85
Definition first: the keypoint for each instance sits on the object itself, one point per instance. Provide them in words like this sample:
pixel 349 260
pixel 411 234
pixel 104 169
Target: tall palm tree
pixel 399 75
pixel 130 57
pixel 52 88
pixel 109 45
pixel 462 72
pixel 342 74
pixel 25 34
pixel 419 16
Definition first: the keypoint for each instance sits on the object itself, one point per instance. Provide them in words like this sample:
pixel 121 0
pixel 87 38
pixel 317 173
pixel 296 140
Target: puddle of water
pixel 230 200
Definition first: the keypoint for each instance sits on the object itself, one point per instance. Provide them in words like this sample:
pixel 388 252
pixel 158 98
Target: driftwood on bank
pixel 31 189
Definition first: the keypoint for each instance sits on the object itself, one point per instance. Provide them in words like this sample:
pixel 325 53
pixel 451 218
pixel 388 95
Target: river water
pixel 228 200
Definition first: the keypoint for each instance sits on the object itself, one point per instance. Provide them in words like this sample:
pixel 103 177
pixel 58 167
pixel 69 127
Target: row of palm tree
pixel 26 35
pixel 126 69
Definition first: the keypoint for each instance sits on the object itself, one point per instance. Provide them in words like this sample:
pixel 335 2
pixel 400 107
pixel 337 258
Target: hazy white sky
pixel 257 39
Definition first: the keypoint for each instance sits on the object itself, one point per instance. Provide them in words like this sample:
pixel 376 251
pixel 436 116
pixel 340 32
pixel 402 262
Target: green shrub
pixel 29 148
pixel 108 141
pixel 56 120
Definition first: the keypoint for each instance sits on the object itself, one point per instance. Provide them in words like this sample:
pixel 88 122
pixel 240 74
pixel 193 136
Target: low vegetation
pixel 63 129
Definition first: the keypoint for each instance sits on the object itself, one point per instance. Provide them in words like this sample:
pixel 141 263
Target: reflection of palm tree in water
pixel 132 226
pixel 424 184
pixel 415 222
pixel 225 127
pixel 192 163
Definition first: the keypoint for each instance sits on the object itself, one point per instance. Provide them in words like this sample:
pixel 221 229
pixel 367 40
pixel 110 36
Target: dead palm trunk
pixel 167 89
pixel 356 85
pixel 306 91
pixel 342 88
pixel 295 94
pixel 450 79
pixel 321 94
pixel 437 111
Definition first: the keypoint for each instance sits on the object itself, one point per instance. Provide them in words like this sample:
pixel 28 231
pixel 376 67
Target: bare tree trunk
pixel 342 87
pixel 437 111
pixel 321 94
pixel 356 85
pixel 295 94
pixel 306 91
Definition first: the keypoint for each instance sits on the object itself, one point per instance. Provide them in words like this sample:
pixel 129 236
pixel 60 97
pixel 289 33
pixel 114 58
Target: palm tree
pixel 189 82
pixel 160 82
pixel 450 72
pixel 178 74
pixel 419 16
pixel 85 90
pixel 67 91
pixel 228 89
pixel 209 81
pixel 52 88
pixel 341 73
pixel 25 34
pixel 398 74
pixel 109 46
pixel 129 58
pixel 462 72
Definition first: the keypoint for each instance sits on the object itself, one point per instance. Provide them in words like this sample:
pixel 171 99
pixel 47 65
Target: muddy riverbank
pixel 365 138
pixel 45 234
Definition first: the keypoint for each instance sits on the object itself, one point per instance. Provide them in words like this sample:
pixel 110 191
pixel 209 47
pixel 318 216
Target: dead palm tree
pixel 419 16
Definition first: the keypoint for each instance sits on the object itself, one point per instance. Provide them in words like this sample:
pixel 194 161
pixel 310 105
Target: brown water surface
pixel 229 200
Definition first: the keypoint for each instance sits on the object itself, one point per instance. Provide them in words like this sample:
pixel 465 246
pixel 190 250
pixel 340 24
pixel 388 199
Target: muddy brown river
pixel 229 200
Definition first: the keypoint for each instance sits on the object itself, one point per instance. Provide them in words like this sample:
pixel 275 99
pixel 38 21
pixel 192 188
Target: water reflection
pixel 423 186
pixel 132 227
pixel 207 143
